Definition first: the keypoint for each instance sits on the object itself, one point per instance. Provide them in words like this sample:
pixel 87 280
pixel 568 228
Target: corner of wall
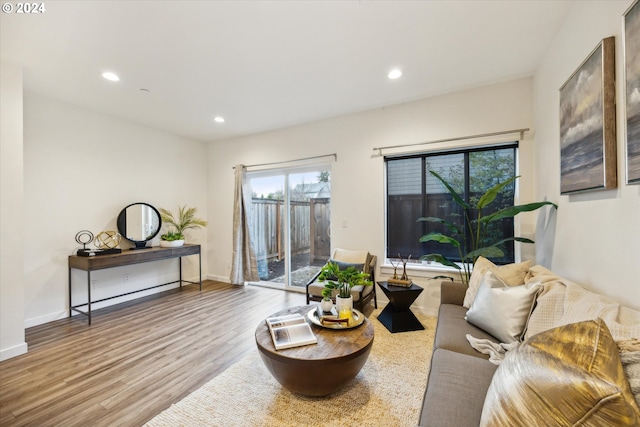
pixel 12 336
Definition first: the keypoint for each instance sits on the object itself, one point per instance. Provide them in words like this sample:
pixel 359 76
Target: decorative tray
pixel 315 317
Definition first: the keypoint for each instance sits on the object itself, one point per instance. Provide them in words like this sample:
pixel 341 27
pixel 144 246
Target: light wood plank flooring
pixel 136 359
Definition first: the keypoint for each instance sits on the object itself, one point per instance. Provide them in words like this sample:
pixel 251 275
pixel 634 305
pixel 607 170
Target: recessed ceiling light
pixel 111 76
pixel 218 119
pixel 394 74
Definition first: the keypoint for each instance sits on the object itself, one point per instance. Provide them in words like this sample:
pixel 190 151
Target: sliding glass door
pixel 289 221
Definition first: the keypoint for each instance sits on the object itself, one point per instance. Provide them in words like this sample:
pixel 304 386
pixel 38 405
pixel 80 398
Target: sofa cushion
pixel 502 310
pixel 511 274
pixel 456 389
pixel 452 330
pixel 567 376
pixel 630 358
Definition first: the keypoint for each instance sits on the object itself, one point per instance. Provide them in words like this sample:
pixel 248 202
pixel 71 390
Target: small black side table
pixel 397 315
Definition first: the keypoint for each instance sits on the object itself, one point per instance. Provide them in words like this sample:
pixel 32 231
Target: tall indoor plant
pixel 185 220
pixel 471 239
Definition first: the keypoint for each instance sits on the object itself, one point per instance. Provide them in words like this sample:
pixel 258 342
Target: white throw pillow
pixel 511 274
pixel 502 310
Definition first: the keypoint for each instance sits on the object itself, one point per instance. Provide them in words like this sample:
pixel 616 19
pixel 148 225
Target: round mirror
pixel 139 222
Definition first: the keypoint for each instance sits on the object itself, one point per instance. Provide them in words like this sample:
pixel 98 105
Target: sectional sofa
pixel 561 355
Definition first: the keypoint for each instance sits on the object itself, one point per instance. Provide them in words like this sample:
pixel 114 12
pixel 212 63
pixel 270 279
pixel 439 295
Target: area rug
pixel 388 391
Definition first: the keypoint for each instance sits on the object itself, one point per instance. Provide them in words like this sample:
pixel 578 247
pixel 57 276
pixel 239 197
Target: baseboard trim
pixel 14 351
pixel 218 278
pixel 35 321
pixel 40 320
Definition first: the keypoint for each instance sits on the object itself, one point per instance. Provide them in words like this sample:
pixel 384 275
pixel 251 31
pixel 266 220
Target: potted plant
pixel 171 239
pixel 472 240
pixel 327 303
pixel 185 220
pixel 342 281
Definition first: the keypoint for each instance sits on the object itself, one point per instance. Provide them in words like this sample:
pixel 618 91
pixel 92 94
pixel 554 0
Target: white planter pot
pixel 171 243
pixel 326 305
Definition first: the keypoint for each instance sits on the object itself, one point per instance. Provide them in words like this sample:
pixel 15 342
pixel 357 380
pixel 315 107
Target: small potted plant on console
pixel 185 220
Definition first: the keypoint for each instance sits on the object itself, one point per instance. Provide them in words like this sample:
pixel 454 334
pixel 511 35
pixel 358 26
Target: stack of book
pixel 290 330
pixel 331 317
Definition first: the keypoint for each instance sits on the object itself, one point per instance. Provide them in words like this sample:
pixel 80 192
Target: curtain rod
pixel 460 138
pixel 334 155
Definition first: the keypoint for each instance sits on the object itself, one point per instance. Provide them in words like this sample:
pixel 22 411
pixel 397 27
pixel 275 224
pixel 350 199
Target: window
pixel 412 192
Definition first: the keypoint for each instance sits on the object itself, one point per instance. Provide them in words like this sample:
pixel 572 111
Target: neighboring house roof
pixel 315 190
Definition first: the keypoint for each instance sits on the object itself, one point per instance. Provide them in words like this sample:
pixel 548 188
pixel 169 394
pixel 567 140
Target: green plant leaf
pixel 487 252
pixel 459 200
pixel 440 238
pixel 342 280
pixel 185 220
pixel 451 226
pixel 511 211
pixel 442 260
pixel 491 194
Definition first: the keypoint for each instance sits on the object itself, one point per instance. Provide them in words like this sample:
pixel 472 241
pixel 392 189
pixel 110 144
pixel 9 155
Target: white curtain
pixel 545 235
pixel 244 266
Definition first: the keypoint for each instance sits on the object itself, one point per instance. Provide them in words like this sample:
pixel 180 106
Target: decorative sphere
pixel 108 240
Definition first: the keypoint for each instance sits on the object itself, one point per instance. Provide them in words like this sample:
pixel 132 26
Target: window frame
pixel 424 156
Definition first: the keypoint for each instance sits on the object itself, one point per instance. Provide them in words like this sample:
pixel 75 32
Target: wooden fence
pixel 309 224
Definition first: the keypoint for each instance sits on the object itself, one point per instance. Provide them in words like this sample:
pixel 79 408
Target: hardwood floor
pixel 136 359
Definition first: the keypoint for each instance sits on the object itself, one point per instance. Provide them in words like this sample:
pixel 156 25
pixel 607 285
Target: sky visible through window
pixel 263 186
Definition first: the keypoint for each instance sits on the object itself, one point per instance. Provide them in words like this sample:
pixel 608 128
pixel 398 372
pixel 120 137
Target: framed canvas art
pixel 588 124
pixel 632 90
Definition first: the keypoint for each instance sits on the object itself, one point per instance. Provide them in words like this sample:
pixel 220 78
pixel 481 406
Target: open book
pixel 290 330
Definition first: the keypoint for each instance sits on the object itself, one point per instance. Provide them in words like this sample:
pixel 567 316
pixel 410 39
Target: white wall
pixel 12 342
pixel 357 207
pixel 82 168
pixel 598 233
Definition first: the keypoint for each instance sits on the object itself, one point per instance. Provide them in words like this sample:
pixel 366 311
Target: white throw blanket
pixel 562 302
pixel 496 351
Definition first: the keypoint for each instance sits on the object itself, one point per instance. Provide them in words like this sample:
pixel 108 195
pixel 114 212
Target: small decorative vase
pixel 171 243
pixel 326 305
pixel 344 307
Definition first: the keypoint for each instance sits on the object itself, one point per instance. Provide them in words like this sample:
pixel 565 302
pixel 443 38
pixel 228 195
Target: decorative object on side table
pixel 185 220
pixel 139 223
pixel 341 281
pixel 108 239
pixel 171 239
pixel 404 280
pixel 84 237
pixel 481 243
pixel 104 245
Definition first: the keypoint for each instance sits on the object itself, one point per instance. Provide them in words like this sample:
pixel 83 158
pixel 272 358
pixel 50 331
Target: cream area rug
pixel 388 391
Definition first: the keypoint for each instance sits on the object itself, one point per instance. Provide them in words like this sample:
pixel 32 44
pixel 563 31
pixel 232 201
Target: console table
pixel 127 257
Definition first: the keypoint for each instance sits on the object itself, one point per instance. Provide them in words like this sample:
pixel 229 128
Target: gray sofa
pixel 459 376
pixel 589 323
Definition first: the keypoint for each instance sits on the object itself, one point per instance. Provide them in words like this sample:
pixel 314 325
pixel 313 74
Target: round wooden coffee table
pixel 317 369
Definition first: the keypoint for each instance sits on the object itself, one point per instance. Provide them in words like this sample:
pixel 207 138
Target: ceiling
pixel 264 65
